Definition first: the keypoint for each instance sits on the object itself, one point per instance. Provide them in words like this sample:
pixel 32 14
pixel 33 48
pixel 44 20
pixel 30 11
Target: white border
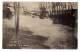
pixel 39 50
pixel 45 0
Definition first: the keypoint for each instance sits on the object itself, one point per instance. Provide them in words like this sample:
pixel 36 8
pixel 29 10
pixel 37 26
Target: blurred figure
pixel 7 13
pixel 43 12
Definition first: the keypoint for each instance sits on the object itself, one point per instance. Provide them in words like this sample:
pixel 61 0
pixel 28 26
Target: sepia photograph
pixel 40 25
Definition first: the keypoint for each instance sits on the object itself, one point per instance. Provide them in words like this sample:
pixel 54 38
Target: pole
pixel 17 22
pixel 16 13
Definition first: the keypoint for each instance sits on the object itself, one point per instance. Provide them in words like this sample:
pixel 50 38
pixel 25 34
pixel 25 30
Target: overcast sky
pixel 31 5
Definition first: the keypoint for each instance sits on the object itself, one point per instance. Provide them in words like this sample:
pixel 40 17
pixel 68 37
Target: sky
pixel 31 5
